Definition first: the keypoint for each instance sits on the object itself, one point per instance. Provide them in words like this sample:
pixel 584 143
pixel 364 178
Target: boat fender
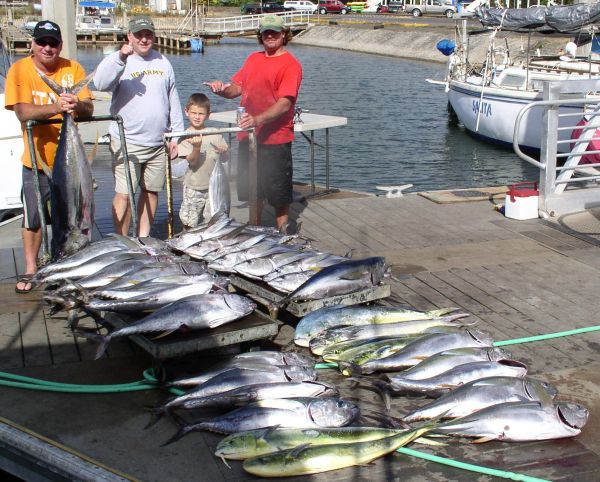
pixel 446 46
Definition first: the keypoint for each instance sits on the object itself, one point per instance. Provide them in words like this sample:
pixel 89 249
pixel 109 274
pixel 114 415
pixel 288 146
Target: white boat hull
pixel 11 147
pixel 493 114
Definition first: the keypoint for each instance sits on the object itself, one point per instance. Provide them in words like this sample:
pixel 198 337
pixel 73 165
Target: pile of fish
pixel 480 390
pixel 285 263
pixel 286 423
pixel 140 276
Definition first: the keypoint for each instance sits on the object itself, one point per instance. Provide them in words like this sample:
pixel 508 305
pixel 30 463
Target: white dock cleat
pixel 394 191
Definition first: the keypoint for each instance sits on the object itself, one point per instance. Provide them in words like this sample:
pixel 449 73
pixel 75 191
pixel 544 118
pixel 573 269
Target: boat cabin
pixel 96 16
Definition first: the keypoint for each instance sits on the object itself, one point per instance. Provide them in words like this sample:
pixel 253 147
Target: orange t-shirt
pixel 25 86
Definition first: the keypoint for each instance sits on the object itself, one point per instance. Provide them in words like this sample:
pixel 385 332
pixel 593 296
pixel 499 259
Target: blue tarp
pixel 98 4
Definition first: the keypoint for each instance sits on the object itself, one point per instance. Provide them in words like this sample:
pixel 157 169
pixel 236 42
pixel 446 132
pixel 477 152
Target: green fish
pixel 313 459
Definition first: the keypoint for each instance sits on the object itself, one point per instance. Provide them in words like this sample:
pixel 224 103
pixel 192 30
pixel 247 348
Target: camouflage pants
pixel 193 205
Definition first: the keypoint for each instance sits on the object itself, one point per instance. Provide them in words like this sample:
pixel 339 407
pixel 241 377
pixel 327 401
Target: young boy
pixel 202 155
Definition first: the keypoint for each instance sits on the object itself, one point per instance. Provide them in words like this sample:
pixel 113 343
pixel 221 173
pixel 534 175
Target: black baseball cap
pixel 46 28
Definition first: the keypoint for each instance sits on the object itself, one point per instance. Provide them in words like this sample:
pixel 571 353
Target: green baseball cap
pixel 141 22
pixel 271 22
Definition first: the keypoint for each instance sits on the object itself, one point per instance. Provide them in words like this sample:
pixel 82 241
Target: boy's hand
pixel 195 141
pixel 172 150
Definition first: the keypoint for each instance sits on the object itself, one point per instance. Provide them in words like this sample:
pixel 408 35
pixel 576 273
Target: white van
pixel 302 5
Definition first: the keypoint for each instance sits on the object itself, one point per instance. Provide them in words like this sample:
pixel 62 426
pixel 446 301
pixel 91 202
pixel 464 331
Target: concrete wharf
pixel 516 278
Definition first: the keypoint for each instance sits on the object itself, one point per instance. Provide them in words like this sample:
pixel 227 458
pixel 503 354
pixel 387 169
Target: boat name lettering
pixel 147 72
pixel 483 107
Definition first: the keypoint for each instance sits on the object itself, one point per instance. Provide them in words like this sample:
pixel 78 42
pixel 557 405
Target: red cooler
pixel 522 201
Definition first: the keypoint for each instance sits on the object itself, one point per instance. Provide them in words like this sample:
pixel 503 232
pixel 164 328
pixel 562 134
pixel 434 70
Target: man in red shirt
pixel 268 84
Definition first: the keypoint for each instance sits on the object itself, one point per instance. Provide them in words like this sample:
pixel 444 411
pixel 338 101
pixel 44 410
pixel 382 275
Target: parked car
pixel 265 7
pixel 395 6
pixel 302 5
pixel 28 27
pixel 431 7
pixel 333 6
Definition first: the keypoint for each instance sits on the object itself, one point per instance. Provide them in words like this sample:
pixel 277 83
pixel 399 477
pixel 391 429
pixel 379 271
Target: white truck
pixel 431 7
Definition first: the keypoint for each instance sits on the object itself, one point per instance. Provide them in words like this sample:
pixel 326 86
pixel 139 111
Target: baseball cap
pixel 141 22
pixel 46 28
pixel 271 22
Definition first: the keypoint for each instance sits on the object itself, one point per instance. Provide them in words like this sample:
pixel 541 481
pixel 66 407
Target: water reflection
pixel 398 129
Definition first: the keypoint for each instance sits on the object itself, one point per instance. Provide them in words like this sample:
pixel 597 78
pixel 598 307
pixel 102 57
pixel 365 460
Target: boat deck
pixel 517 278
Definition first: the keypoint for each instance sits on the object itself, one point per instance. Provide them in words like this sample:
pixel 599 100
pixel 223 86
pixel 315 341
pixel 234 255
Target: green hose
pixel 548 336
pixel 466 466
pixel 19 381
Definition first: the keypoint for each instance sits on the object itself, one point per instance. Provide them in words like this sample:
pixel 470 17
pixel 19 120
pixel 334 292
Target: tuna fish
pixel 71 188
pixel 218 191
pixel 285 412
pixel 482 393
pixel 519 422
pixel 194 312
pixel 459 375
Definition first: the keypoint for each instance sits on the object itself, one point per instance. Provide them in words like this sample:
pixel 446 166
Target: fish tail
pixel 51 83
pixel 82 83
pixel 156 414
pixel 184 429
pixel 105 340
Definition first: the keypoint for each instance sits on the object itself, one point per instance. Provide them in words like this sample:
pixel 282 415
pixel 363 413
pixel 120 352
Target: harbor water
pixel 398 131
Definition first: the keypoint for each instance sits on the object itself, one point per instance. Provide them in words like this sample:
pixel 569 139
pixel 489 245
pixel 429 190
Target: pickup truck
pixel 265 7
pixel 431 7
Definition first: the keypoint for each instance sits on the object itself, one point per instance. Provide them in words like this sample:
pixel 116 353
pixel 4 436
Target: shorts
pixel 31 213
pixel 193 205
pixel 275 172
pixel 146 165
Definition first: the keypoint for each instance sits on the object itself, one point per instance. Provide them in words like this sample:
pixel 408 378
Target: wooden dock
pixel 517 278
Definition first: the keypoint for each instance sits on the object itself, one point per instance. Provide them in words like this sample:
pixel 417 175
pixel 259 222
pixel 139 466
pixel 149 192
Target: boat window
pixel 87 20
pixel 106 21
pixel 512 81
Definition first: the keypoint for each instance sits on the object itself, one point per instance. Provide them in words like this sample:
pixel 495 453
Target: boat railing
pixel 570 121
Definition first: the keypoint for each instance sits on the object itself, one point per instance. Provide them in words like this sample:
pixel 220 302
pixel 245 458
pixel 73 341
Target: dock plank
pixel 36 350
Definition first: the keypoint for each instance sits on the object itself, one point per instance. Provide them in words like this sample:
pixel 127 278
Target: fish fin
pixel 483 440
pixel 163 334
pixel 45 168
pixel 442 312
pixel 349 369
pixel 349 253
pixel 92 154
pixel 267 431
pixel 292 454
pixel 51 83
pixel 104 340
pixel 383 388
pixel 82 83
pixel 428 441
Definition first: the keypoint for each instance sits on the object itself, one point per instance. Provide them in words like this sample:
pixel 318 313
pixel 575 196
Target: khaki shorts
pixel 146 165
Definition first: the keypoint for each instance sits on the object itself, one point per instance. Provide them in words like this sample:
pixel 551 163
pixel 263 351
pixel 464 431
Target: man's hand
pixel 126 51
pixel 67 103
pixel 217 86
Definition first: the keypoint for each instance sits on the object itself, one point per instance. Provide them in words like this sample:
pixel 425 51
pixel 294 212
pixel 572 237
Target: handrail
pixel 540 103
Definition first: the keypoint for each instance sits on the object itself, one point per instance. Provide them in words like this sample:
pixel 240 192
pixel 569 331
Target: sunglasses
pixel 42 42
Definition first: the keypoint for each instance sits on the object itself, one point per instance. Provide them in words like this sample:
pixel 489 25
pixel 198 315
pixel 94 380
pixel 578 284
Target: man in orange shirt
pixel 31 99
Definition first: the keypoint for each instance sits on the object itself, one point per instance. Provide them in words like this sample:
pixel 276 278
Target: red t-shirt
pixel 264 80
